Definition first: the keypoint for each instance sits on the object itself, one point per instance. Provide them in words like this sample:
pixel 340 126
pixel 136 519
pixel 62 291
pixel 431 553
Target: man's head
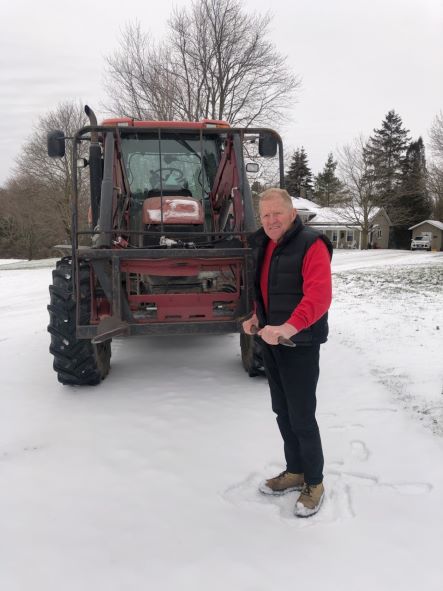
pixel 277 212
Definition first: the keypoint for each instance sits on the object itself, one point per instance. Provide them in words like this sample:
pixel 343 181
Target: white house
pixel 336 223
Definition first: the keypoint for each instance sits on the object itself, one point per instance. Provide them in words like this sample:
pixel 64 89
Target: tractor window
pixel 172 164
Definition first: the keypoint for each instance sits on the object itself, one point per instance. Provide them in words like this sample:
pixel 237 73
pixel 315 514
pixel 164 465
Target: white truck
pixel 422 242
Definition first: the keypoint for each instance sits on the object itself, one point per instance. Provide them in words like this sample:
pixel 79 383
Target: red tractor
pixel 170 214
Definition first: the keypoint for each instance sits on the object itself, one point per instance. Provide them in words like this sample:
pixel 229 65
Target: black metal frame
pixel 113 289
pixel 119 131
pixel 99 256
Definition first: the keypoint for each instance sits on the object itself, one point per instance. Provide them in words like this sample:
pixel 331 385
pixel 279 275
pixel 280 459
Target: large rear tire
pixel 251 355
pixel 77 361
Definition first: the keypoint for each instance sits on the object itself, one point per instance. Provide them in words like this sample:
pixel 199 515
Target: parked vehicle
pixel 422 242
pixel 170 214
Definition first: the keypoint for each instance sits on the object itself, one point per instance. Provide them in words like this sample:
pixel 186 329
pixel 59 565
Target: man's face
pixel 276 217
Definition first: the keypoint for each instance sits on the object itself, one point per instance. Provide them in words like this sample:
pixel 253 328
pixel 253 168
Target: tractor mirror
pixel 56 144
pixel 267 145
pixel 252 167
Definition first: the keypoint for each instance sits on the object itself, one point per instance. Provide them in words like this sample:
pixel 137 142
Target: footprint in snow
pixel 341 488
pixel 6 455
pixel 359 450
pixel 201 374
pixel 365 479
pixel 409 488
pixel 387 409
pixel 345 427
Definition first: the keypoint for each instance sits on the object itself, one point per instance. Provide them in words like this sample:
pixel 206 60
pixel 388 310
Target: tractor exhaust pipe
pixel 93 121
pixel 106 194
pixel 95 167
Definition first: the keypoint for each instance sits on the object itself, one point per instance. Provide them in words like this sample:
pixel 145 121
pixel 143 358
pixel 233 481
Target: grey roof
pixel 435 223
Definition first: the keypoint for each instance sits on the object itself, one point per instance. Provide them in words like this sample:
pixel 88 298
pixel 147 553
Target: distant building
pixel 307 210
pixel 430 226
pixel 380 229
pixel 336 223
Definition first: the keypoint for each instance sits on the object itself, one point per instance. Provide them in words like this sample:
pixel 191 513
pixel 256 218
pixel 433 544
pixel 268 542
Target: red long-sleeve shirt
pixel 317 284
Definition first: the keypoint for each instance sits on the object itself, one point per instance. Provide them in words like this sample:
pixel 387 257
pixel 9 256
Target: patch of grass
pixel 391 281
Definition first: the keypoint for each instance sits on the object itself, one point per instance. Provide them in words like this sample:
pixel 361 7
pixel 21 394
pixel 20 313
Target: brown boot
pixel 282 484
pixel 310 500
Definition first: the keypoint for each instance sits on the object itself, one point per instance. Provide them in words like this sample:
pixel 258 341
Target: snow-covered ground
pixel 149 481
pixel 388 307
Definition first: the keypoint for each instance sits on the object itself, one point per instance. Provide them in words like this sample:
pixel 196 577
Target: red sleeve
pixel 317 287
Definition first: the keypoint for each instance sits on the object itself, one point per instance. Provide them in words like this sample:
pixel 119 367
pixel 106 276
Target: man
pixel 292 297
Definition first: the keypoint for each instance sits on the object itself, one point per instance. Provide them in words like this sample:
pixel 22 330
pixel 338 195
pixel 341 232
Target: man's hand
pixel 248 324
pixel 270 334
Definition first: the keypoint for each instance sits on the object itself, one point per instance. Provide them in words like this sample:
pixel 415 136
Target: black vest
pixel 285 280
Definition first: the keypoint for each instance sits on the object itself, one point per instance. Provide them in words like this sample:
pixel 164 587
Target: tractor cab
pixel 170 181
pixel 166 250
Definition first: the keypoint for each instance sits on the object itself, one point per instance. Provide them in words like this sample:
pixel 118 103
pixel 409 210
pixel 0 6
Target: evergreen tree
pixel 299 178
pixel 385 154
pixel 414 197
pixel 327 186
pixel 412 203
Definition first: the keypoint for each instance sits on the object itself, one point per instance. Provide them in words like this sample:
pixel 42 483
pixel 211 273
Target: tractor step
pixel 110 327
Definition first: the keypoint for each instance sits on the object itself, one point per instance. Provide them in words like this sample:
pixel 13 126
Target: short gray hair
pixel 273 192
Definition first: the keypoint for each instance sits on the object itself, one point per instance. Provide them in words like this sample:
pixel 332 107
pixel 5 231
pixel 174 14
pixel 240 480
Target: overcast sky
pixel 357 59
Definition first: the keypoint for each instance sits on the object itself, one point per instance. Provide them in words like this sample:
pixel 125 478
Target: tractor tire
pixel 251 355
pixel 77 361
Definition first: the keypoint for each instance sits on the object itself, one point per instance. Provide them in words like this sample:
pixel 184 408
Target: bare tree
pixel 216 64
pixel 268 176
pixel 436 134
pixel 53 176
pixel 435 184
pixel 7 225
pixel 137 78
pixel 35 204
pixel 435 171
pixel 29 224
pixel 359 187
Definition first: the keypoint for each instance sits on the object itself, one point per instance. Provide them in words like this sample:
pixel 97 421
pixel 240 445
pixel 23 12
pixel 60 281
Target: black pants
pixel 292 375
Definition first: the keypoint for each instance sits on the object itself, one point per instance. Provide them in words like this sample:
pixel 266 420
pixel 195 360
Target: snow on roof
pixel 302 203
pixel 333 216
pixel 321 214
pixel 435 223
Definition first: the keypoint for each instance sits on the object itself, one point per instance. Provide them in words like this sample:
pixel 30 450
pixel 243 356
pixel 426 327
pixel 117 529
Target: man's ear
pixel 294 214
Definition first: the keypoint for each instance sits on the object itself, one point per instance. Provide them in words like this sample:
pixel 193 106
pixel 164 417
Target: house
pixel 433 226
pixel 344 231
pixel 307 210
pixel 336 223
pixel 333 222
pixel 380 229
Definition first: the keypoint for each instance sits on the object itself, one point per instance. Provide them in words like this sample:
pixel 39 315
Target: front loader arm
pixel 225 192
